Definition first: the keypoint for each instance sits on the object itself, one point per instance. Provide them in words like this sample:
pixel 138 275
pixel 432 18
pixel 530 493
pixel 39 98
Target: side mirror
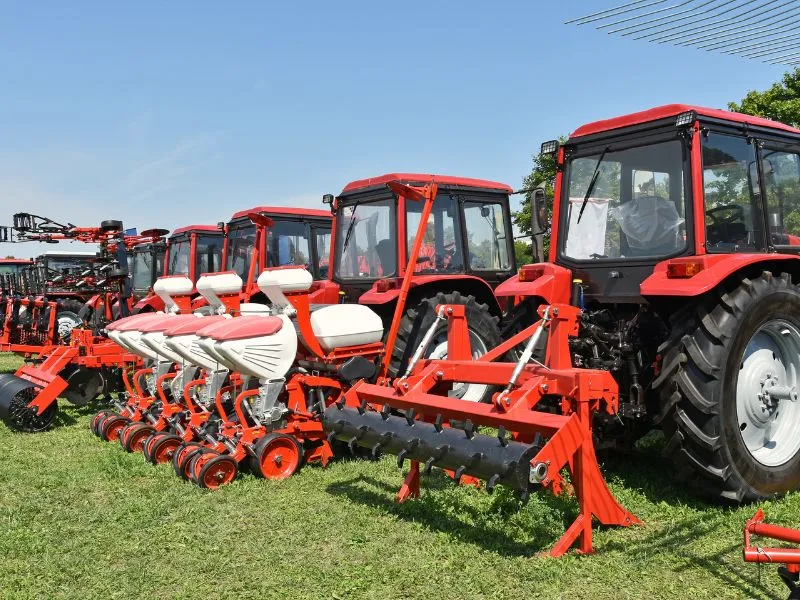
pixel 539 210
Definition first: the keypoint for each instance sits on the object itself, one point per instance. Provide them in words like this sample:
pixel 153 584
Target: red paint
pixel 715 268
pixel 673 110
pixel 556 206
pixel 375 296
pixel 15 261
pixel 698 192
pixel 442 180
pixel 193 228
pixel 553 285
pixel 285 210
pixel 247 327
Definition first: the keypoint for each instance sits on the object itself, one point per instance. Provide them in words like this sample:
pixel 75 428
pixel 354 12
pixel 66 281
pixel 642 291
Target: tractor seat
pixel 345 325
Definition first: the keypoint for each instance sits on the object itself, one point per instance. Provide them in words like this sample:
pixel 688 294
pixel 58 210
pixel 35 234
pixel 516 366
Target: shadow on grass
pixel 455 516
pixel 679 541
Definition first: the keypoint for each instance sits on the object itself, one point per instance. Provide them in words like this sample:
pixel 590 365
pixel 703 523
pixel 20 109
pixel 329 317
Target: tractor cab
pixel 66 274
pixel 677 186
pixel 147 264
pixel 468 234
pixel 296 237
pixel 194 250
pixel 190 251
pixel 11 270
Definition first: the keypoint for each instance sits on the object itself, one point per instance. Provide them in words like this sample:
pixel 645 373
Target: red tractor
pixel 674 231
pixel 466 251
pixel 190 251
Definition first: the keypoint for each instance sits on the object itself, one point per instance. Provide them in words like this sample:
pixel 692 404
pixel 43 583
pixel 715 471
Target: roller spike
pixel 428 466
pixel 331 437
pixel 401 457
pixel 410 415
pixel 475 458
pixel 438 423
pixel 340 403
pixel 362 408
pixel 351 443
pixel 361 431
pixel 469 428
pixel 501 435
pixel 538 440
pixel 524 496
pixel 412 444
pixel 376 449
pixel 442 450
pixel 459 473
pixel 386 411
pixel 492 482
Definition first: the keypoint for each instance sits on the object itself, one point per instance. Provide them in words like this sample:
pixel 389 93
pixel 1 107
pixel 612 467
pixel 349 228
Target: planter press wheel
pixel 214 471
pixel 164 447
pixel 15 395
pixel 277 456
pixel 185 461
pixel 97 420
pixel 135 436
pixel 181 452
pixel 148 443
pixel 112 426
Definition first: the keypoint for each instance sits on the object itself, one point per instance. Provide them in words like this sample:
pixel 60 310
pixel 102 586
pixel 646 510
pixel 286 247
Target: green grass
pixel 80 518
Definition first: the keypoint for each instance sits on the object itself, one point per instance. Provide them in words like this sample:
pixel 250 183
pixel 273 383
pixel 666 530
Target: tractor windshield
pixel 142 267
pixel 67 265
pixel 288 244
pixel 11 268
pixel 241 247
pixel 365 246
pixel 623 204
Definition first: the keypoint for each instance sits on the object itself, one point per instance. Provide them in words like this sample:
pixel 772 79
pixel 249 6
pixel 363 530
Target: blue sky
pixel 163 114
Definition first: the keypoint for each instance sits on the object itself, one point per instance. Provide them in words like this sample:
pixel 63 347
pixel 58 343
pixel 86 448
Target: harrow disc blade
pixel 83 386
pixel 15 395
pixel 503 462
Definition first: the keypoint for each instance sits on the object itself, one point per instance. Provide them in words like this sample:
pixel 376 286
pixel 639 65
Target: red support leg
pixel 410 487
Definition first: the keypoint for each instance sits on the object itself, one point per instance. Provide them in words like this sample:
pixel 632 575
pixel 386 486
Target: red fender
pixel 384 291
pixel 550 282
pixel 710 269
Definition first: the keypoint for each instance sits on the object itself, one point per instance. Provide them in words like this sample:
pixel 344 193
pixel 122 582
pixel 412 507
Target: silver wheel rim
pixel 474 392
pixel 767 405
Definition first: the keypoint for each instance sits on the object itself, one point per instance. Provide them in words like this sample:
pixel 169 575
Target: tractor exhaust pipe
pixel 497 460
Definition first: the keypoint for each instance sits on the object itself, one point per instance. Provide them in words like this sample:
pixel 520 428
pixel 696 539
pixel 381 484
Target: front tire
pixel 727 434
pixel 483 329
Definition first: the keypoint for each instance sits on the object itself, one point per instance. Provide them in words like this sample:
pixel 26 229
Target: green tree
pixel 523 252
pixel 781 102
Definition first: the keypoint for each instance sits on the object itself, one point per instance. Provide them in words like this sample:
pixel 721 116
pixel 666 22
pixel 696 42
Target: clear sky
pixel 170 113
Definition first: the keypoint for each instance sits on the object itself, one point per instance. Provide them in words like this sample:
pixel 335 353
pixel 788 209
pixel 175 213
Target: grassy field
pixel 80 518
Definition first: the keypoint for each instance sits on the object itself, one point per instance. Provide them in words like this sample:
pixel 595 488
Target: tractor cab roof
pixel 196 229
pixel 284 211
pixel 422 179
pixel 67 253
pixel 15 261
pixel 673 110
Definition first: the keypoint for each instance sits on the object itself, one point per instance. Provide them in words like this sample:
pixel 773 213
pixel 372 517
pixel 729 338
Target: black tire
pixel 111 225
pixel 69 309
pixel 83 385
pixel 417 320
pixel 697 390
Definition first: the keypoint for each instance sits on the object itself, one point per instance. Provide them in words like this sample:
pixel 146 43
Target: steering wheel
pixel 735 213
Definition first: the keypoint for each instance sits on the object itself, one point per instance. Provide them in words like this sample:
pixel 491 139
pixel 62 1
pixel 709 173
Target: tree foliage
pixel 781 102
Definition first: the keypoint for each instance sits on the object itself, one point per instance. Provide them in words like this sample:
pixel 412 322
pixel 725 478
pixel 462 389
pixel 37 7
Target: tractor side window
pixel 731 189
pixel 487 239
pixel 179 258
pixel 781 172
pixel 209 254
pixel 322 239
pixel 440 251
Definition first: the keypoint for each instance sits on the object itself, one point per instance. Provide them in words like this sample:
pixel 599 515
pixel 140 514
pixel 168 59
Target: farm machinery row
pixel 668 301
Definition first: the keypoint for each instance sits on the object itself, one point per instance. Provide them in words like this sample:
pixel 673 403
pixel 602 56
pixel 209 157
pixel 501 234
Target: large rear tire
pixel 726 432
pixel 483 329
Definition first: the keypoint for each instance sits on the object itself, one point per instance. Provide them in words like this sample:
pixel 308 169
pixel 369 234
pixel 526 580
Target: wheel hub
pixel 466 391
pixel 767 393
